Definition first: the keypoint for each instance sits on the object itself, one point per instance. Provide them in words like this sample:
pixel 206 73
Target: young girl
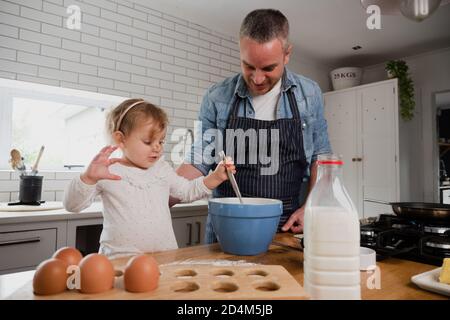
pixel 135 189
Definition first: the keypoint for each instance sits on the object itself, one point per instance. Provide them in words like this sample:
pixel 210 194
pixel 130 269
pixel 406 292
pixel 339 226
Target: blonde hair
pixel 132 112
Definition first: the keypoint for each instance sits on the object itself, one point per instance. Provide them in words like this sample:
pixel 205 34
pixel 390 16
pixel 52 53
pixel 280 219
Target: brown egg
pixel 68 254
pixel 141 274
pixel 50 277
pixel 97 273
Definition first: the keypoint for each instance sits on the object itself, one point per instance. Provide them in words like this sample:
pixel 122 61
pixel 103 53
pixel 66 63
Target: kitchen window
pixel 69 123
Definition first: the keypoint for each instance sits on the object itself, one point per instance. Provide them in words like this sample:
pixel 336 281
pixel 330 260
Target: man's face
pixel 262 64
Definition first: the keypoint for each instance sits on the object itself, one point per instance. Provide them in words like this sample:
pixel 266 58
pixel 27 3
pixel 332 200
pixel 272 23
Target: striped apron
pixel 285 184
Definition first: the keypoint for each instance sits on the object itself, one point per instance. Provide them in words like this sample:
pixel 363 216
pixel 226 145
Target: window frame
pixel 10 89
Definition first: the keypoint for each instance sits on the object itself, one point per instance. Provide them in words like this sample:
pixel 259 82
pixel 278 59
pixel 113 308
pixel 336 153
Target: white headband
pixel 119 122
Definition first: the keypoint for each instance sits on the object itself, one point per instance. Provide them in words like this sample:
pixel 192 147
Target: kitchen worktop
pixel 395 274
pixel 93 211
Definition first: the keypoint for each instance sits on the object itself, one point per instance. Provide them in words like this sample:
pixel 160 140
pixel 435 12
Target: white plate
pixel 430 281
pixel 48 205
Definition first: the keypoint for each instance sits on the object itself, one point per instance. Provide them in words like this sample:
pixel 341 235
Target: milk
pixel 331 237
pixel 331 254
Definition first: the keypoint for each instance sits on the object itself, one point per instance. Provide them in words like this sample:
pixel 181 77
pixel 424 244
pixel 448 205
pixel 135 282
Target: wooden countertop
pixel 395 273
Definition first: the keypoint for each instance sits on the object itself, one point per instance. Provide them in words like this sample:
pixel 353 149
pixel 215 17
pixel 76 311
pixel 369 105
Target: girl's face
pixel 138 150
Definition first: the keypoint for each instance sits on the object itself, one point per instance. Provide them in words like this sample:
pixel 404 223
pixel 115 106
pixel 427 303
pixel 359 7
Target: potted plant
pixel 399 69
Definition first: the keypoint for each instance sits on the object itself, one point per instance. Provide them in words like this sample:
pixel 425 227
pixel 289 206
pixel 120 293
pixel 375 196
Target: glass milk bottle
pixel 331 236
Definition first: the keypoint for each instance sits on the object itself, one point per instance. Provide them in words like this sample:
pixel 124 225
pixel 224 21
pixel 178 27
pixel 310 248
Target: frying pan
pixel 418 210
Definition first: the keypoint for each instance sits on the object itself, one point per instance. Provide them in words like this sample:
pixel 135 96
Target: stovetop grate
pixel 422 241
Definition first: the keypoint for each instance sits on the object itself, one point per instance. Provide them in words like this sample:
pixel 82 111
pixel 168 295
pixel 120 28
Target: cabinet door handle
pixel 20 241
pixel 190 234
pixel 199 226
pixel 354 159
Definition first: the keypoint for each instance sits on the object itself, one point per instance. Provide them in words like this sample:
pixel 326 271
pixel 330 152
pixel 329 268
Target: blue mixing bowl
pixel 245 229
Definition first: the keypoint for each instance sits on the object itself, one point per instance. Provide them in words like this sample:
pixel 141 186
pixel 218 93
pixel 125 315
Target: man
pixel 265 100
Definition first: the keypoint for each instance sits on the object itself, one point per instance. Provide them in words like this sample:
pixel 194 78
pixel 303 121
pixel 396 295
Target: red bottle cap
pixel 336 162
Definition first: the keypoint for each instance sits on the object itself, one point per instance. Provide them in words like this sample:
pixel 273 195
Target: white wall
pixel 123 49
pixel 430 73
pixel 311 69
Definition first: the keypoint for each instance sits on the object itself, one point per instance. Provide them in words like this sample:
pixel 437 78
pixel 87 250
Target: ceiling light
pixel 417 10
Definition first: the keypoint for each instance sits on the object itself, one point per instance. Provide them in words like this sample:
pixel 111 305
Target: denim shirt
pixel 218 101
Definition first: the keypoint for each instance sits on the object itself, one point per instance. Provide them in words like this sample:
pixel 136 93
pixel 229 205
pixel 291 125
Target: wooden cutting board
pixel 198 282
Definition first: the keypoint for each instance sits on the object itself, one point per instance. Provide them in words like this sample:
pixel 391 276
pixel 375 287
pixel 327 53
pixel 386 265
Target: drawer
pixel 26 249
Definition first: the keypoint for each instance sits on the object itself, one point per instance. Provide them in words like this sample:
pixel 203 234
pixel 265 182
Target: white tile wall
pixel 122 49
pixel 54 184
pixel 5 196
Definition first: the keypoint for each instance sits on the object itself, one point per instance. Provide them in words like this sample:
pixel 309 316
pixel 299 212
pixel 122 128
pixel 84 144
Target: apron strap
pixel 235 107
pixel 293 103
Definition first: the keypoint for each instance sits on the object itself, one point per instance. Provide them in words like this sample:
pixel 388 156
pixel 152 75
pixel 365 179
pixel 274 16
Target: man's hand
pixel 295 221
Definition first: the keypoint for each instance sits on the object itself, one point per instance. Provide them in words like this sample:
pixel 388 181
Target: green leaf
pixel 399 69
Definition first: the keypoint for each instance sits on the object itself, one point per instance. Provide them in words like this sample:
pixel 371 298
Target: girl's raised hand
pixel 98 169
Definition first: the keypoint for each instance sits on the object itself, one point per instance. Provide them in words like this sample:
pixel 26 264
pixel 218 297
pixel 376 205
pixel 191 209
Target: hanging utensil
pixel 34 169
pixel 17 162
pixel 231 177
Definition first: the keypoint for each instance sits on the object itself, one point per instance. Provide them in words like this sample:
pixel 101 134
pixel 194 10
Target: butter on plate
pixel 445 272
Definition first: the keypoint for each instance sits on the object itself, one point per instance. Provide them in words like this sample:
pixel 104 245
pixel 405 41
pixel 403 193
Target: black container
pixel 30 189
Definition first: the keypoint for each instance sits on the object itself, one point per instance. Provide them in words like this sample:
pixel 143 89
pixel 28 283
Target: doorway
pixel 442 100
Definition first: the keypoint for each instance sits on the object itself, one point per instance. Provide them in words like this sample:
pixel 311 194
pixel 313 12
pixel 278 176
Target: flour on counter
pixel 213 262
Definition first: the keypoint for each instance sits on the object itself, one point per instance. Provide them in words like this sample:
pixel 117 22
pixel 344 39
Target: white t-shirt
pixel 136 216
pixel 265 105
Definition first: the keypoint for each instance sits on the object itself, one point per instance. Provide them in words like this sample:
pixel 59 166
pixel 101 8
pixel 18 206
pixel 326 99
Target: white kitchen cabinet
pixel 189 222
pixel 445 195
pixel 189 231
pixel 28 238
pixel 363 128
pixel 24 246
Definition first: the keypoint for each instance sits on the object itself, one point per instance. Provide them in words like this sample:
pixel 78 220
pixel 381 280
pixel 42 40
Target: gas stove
pixel 421 241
